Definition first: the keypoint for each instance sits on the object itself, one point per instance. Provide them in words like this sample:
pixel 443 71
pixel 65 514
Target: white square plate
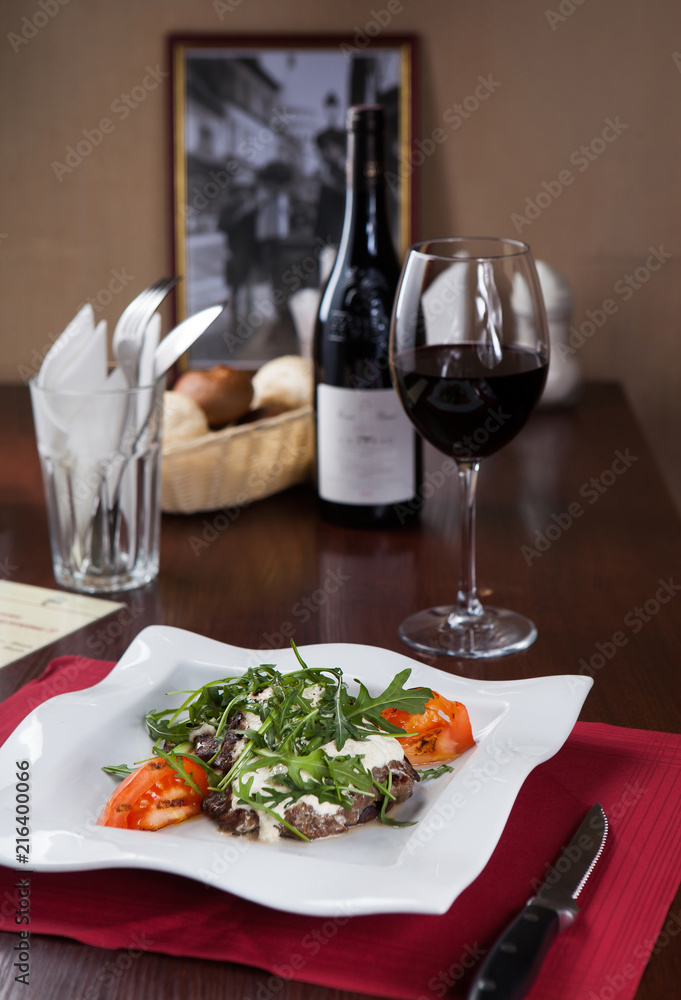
pixel 371 869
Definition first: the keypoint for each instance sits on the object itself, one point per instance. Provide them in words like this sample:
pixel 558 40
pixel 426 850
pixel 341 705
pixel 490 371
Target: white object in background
pixel 304 304
pixel 65 348
pixel 97 430
pixel 87 364
pixel 447 302
pixel 77 358
pixel 564 380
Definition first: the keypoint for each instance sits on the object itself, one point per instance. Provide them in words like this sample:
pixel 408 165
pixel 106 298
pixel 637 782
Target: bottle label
pixel 365 446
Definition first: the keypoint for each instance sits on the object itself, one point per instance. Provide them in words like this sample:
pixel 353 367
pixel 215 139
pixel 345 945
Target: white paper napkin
pixel 76 361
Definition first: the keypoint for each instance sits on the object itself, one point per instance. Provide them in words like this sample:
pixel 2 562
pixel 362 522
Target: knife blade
pixel 513 963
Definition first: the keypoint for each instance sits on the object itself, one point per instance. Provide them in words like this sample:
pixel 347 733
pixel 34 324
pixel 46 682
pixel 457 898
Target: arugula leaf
pixel 435 772
pixel 118 770
pixel 257 801
pixel 388 797
pixel 394 696
pixel 300 711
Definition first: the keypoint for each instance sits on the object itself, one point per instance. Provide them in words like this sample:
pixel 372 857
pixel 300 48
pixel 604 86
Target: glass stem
pixel 468 604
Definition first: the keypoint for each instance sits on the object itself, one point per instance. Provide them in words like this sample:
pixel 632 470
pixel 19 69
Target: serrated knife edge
pixel 511 966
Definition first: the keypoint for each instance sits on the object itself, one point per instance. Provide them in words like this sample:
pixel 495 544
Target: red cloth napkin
pixel 635 775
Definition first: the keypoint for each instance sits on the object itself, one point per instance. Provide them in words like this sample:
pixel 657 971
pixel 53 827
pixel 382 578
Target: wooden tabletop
pixel 576 530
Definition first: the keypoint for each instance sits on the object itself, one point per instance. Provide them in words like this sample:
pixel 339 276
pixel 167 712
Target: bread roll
pixel 285 382
pixel 183 419
pixel 224 394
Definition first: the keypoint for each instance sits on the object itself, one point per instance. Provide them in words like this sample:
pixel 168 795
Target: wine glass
pixel 469 353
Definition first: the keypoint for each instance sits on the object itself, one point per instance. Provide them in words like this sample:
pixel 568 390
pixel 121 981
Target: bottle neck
pixel 366 158
pixel 366 225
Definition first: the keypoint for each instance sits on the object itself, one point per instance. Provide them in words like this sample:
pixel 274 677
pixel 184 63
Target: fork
pixel 129 333
pixel 127 344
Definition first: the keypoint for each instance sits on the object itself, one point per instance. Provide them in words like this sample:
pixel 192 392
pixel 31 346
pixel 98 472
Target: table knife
pixel 513 963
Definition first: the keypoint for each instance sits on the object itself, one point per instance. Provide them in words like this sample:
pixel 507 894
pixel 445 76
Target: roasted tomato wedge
pixel 442 733
pixel 155 795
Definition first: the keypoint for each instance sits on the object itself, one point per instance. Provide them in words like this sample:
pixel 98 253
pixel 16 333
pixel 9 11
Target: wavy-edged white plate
pixel 372 869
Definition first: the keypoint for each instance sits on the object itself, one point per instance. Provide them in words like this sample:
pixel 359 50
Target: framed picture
pixel 259 150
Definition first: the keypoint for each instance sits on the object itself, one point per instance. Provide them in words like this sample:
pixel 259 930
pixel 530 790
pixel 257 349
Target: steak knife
pixel 513 963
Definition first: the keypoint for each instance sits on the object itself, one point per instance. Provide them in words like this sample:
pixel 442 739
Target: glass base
pixel 445 632
pixel 89 583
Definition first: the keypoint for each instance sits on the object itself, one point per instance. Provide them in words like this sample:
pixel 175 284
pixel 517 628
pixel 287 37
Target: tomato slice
pixel 442 733
pixel 154 796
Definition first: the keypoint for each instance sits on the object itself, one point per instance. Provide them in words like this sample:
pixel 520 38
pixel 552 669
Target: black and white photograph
pixel 260 153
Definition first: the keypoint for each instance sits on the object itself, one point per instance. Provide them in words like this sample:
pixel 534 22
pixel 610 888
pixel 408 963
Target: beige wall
pixel 562 67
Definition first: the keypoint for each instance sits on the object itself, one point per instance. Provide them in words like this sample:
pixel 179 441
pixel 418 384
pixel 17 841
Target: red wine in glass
pixel 469 353
pixel 460 406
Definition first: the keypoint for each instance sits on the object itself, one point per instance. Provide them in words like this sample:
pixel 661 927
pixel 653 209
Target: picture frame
pixel 259 149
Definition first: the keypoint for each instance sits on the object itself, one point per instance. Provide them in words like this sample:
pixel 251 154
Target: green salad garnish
pixel 299 713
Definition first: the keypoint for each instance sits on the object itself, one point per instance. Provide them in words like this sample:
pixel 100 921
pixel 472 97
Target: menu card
pixel 32 617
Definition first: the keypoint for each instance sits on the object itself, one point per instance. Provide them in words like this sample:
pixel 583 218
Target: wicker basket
pixel 238 464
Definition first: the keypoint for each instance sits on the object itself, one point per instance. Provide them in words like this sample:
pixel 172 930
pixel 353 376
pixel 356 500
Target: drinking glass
pixel 469 353
pixel 100 455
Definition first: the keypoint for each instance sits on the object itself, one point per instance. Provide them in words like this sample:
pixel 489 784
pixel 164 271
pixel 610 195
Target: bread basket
pixel 238 464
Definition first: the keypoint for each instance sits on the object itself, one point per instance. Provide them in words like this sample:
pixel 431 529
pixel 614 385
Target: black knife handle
pixel 513 963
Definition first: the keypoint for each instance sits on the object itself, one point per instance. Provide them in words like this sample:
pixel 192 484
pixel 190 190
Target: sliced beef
pixel 236 819
pixel 364 808
pixel 229 817
pixel 404 778
pixel 206 747
pixel 237 721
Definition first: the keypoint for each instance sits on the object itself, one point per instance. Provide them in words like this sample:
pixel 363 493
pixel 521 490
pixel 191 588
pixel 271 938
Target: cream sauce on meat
pixel 375 751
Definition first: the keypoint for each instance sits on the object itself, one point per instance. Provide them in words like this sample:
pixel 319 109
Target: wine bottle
pixel 368 455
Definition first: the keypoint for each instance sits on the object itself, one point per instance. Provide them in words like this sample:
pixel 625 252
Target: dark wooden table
pixel 575 529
